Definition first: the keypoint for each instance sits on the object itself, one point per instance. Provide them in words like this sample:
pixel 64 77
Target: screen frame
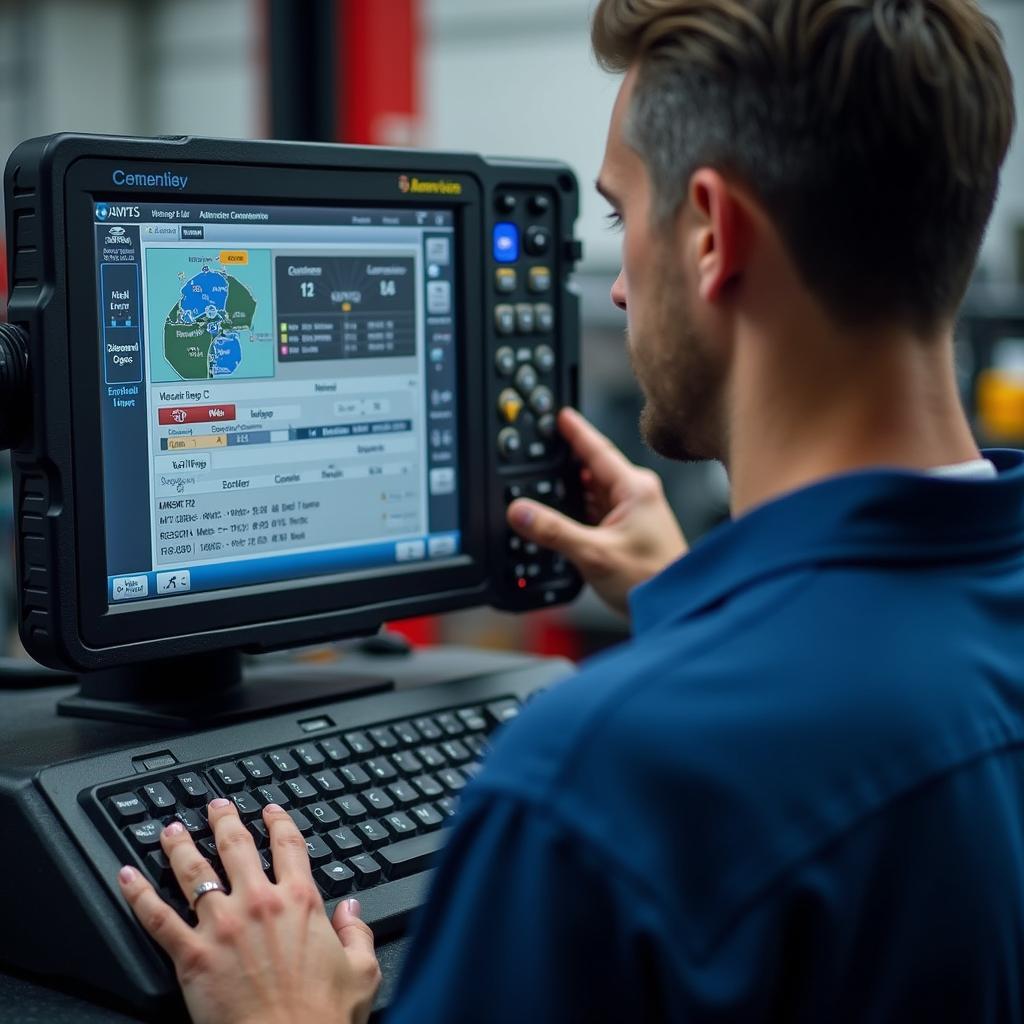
pixel 212 622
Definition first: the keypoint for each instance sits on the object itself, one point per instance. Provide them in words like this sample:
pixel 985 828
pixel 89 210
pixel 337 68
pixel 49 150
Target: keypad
pixel 527 392
pixel 371 803
pixel 531 567
pixel 523 312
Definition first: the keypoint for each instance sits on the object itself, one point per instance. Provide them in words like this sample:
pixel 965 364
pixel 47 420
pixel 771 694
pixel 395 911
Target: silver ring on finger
pixel 206 887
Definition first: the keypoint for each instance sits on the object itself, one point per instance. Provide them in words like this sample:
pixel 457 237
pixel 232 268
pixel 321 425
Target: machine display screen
pixel 278 395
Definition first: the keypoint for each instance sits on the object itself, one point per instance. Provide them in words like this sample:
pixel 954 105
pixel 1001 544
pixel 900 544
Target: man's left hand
pixel 265 953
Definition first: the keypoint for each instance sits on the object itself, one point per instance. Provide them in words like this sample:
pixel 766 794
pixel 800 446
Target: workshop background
pixel 499 78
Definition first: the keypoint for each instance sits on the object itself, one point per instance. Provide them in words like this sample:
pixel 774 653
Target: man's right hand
pixel 635 533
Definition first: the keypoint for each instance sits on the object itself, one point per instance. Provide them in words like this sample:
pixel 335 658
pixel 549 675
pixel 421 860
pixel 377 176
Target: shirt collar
pixel 873 516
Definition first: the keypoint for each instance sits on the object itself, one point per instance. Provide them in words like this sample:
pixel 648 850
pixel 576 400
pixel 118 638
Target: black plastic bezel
pixel 49 186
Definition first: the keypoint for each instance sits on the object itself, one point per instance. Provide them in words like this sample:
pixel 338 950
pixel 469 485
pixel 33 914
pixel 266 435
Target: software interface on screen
pixel 278 394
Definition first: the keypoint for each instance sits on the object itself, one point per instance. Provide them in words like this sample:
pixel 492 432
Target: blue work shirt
pixel 796 794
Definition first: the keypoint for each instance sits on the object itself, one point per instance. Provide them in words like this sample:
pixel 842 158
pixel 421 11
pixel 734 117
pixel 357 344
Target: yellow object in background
pixel 999 404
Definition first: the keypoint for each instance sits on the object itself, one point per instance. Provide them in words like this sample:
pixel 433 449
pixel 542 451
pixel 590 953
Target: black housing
pixel 50 185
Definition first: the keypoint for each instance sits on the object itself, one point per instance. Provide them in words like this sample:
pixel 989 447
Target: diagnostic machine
pixel 258 395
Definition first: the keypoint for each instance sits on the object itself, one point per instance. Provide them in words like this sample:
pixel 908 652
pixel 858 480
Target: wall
pixel 147 67
pixel 999 252
pixel 500 78
pixel 519 79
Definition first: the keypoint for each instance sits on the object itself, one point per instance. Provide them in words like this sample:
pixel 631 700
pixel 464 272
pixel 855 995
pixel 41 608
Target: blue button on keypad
pixel 506 242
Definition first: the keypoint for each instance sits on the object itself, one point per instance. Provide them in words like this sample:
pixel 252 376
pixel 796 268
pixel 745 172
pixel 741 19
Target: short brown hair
pixel 872 131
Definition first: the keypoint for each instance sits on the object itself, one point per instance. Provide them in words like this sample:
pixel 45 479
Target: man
pixel 798 793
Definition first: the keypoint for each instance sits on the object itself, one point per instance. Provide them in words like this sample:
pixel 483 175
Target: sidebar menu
pixel 122 400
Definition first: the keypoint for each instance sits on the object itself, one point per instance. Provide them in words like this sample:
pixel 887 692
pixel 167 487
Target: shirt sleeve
pixel 528 922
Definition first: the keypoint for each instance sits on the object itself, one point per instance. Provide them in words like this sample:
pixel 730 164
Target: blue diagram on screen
pixel 216 316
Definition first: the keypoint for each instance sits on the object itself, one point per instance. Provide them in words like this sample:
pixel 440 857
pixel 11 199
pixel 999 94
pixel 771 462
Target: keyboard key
pixel 378 800
pixel 432 757
pixel 328 782
pixel 284 765
pixel 159 867
pixel 334 750
pixel 208 848
pixel 308 755
pixel 302 823
pixel 399 823
pixel 260 833
pixel 193 789
pixel 354 776
pixel 344 840
pixel 359 743
pixel 450 723
pixel 301 790
pixel 373 832
pixel 351 808
pixel 473 769
pixel 407 733
pixel 193 820
pixel 381 769
pixel 146 834
pixel 158 796
pixel 473 719
pixel 452 779
pixel 407 762
pixel 428 729
pixel 248 806
pixel 323 814
pixel 456 751
pixel 126 807
pixel 319 851
pixel 403 793
pixel 335 878
pixel 428 786
pixel 229 775
pixel 366 869
pixel 501 711
pixel 447 805
pixel 384 737
pixel 427 817
pixel 477 744
pixel 273 795
pixel 256 768
pixel 267 864
pixel 408 856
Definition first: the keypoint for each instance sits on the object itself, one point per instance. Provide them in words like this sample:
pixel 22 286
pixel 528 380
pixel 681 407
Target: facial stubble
pixel 681 379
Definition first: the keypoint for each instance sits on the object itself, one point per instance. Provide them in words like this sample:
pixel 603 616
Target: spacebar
pixel 408 856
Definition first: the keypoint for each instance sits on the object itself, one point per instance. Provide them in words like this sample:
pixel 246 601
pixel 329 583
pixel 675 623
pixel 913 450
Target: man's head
pixel 862 138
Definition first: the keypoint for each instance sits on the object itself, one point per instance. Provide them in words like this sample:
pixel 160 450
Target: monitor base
pixel 202 691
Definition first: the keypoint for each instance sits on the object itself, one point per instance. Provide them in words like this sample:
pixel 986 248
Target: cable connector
pixel 13 385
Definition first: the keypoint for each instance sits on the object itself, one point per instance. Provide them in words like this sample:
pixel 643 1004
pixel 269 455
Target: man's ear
pixel 721 232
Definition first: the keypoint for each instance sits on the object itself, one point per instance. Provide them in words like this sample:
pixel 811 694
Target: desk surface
pixel 31 1002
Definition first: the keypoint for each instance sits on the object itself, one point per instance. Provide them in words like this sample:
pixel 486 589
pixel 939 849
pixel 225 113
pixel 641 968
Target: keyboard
pixel 372 803
pixel 372 780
